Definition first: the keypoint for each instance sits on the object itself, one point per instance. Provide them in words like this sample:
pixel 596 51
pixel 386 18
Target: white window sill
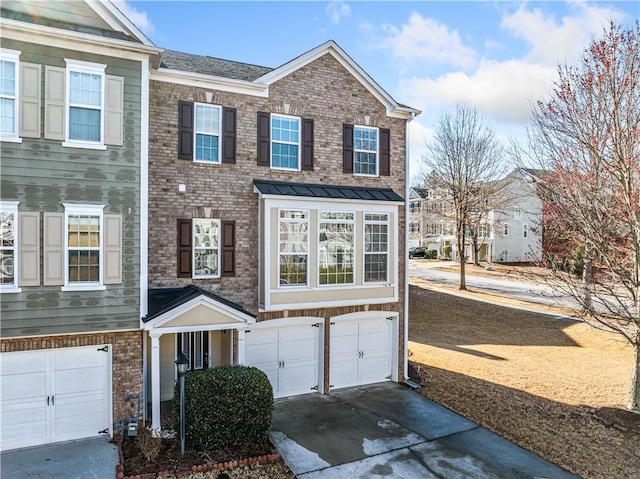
pixel 207 162
pixel 205 277
pixel 84 287
pixel 10 289
pixel 366 176
pixel 88 146
pixel 279 168
pixel 10 139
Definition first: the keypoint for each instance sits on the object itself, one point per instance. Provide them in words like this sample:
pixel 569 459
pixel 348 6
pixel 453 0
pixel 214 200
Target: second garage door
pixel 360 351
pixel 288 355
pixel 54 395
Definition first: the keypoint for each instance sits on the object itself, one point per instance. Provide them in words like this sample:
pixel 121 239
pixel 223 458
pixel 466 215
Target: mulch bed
pixel 169 458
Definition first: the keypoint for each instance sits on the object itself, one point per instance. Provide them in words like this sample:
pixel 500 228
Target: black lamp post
pixel 183 363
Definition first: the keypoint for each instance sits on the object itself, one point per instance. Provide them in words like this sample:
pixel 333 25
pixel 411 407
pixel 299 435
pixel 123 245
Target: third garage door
pixel 361 351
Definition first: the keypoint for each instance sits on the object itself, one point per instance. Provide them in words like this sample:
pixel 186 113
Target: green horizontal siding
pixel 42 175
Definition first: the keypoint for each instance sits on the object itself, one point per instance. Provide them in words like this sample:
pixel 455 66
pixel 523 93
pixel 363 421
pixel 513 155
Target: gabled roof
pixel 421 192
pixel 281 188
pixel 163 300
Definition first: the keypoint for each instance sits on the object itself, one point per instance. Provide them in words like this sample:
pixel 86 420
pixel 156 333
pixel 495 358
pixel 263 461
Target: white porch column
pixel 241 346
pixel 155 380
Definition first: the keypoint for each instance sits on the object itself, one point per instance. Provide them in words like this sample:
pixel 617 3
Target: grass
pixel 531 378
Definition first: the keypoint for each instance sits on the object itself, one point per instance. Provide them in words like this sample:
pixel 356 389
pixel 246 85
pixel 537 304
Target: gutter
pixel 407 186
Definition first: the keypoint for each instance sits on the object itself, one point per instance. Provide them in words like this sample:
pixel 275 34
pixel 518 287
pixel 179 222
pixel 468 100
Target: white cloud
pixel 140 19
pixel 337 11
pixel 501 90
pixel 552 41
pixel 419 135
pixel 424 39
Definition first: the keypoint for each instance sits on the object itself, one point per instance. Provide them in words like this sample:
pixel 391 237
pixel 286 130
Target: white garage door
pixel 360 352
pixel 288 356
pixel 54 395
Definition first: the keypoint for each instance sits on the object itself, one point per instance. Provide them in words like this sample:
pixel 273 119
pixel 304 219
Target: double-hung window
pixel 285 142
pixel 206 248
pixel 376 247
pixel 517 213
pixel 9 85
pixel 293 247
pixel 85 104
pixel 525 230
pixel 505 229
pixel 83 225
pixel 8 244
pixel 207 133
pixel 365 146
pixel 336 248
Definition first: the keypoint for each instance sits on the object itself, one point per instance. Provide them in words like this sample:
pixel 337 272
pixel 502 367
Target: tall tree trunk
pixel 476 251
pixel 587 276
pixel 634 390
pixel 461 236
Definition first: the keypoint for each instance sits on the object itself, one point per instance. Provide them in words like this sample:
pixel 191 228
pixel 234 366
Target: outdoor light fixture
pixel 183 364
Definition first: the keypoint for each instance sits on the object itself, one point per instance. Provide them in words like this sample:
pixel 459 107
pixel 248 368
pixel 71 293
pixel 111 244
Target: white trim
pixel 306 219
pixel 377 130
pixel 201 80
pixel 405 259
pixel 80 42
pixel 12 207
pixel 387 222
pixel 240 318
pixel 282 142
pixel 93 210
pixel 14 57
pixel 354 265
pixel 193 248
pixel 287 322
pixel 218 161
pixel 117 20
pixel 381 299
pixel 91 69
pixel 144 188
pixel 370 204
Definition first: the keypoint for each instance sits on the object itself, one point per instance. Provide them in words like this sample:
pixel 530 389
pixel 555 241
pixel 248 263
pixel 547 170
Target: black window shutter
pixel 385 152
pixel 185 130
pixel 347 148
pixel 184 249
pixel 264 139
pixel 307 144
pixel 228 135
pixel 228 248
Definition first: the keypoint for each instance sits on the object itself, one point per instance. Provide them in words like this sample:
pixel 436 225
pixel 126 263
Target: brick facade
pixel 126 367
pixel 324 91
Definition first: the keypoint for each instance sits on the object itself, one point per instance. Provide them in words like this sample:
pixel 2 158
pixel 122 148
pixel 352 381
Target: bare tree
pixel 587 137
pixel 465 155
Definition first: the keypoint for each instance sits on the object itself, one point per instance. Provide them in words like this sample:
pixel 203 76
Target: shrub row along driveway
pixel 532 379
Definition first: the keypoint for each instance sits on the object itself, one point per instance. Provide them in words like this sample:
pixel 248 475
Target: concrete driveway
pixel 94 458
pixel 388 430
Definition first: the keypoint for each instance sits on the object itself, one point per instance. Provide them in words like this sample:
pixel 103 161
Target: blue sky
pixel 495 56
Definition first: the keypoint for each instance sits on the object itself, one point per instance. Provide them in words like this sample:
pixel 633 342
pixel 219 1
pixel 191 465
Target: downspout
pixel 407 185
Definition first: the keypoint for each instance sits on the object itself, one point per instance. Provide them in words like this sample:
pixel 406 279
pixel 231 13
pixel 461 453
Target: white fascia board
pixel 393 298
pixel 82 42
pixel 201 80
pixel 117 20
pixel 365 315
pixel 235 316
pixel 287 322
pixel 286 201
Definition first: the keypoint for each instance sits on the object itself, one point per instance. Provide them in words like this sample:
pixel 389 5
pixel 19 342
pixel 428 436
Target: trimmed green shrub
pixel 431 254
pixel 225 406
pixel 446 251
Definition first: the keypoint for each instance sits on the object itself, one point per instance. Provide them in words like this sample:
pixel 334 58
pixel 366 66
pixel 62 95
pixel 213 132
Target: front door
pixel 196 347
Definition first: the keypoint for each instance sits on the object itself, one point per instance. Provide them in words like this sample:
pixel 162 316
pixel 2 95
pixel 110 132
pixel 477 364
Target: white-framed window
pixel 414 206
pixel 483 230
pixel 9 246
pixel 376 247
pixel 517 213
pixel 9 94
pixel 293 247
pixel 336 244
pixel 505 229
pixel 83 242
pixel 414 227
pixel 192 345
pixel 207 123
pixel 206 248
pixel 365 151
pixel 85 104
pixel 285 142
pixel 525 230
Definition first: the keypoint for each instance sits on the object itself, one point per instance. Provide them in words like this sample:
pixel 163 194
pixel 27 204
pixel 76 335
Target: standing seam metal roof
pixel 326 191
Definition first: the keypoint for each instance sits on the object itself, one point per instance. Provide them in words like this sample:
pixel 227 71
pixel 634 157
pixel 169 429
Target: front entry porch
pixel 209 329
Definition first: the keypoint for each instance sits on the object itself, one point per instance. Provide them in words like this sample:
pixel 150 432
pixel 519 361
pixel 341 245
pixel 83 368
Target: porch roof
pixel 163 300
pixel 281 188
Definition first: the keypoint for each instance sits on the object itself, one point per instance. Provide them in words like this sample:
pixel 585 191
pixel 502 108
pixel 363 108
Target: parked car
pixel 417 252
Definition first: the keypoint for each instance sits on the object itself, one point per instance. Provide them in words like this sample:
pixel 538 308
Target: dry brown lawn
pixel 531 378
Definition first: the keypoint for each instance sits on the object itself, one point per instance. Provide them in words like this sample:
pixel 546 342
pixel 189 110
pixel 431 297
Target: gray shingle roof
pixel 421 192
pixel 282 188
pixel 211 66
pixel 162 300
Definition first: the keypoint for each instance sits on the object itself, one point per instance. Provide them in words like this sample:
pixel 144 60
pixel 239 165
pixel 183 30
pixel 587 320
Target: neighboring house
pixel 277 220
pixel 512 230
pixel 73 131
